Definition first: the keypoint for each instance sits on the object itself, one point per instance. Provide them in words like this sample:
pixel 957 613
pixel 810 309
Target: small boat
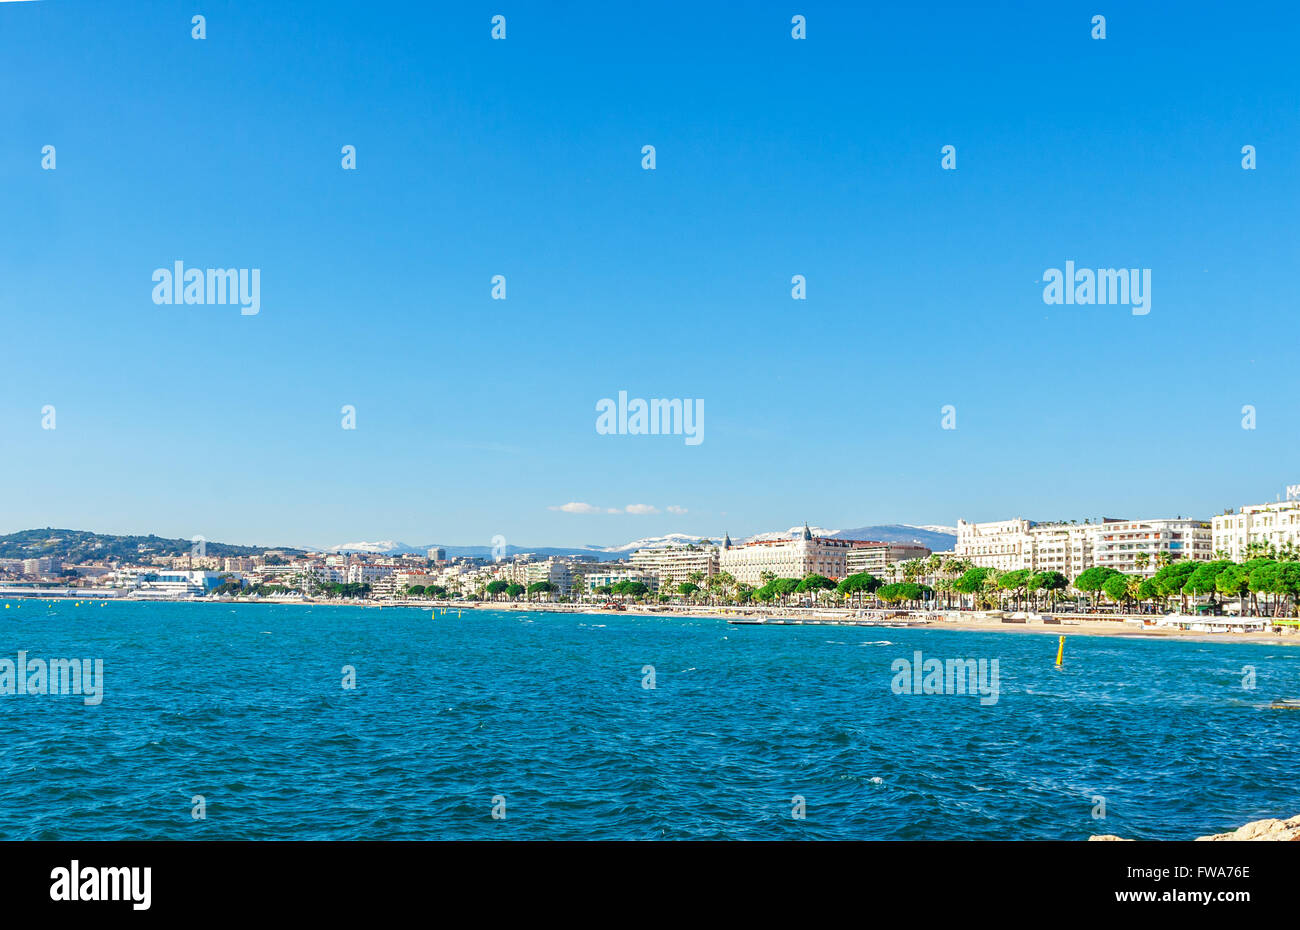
pixel 1285 704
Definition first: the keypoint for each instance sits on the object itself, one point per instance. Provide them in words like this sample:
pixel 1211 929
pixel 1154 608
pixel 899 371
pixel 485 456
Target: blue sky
pixel 522 157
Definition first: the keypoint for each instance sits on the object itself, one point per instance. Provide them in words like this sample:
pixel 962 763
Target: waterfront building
pixel 1140 547
pixel 555 571
pixel 785 558
pixel 1130 546
pixel 607 577
pixel 392 585
pixel 526 572
pixel 154 582
pixel 674 564
pixel 368 572
pixel 1002 544
pixel 1275 525
pixel 875 558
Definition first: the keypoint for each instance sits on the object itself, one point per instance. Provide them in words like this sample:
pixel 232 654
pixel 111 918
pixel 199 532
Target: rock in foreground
pixel 1255 830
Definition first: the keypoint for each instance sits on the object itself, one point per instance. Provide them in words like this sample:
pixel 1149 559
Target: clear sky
pixel 522 157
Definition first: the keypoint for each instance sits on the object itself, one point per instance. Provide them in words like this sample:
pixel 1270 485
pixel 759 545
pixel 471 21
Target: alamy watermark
pixel 658 416
pixel 946 676
pixel 57 676
pixel 181 285
pixel 1122 286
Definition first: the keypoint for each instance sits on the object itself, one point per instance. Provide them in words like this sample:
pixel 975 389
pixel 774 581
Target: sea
pixel 305 722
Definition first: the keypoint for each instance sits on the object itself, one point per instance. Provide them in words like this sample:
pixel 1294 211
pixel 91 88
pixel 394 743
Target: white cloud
pixel 639 510
pixel 580 507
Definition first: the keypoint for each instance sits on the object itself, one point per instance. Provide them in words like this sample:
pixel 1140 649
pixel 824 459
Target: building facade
pixel 1140 547
pixel 875 558
pixel 785 558
pixel 1136 547
pixel 675 564
pixel 1275 525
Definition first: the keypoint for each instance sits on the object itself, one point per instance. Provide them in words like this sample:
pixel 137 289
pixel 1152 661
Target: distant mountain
pixel 384 547
pixel 935 538
pixel 83 545
pixel 651 542
pixel 391 547
pixel 946 530
pixel 928 536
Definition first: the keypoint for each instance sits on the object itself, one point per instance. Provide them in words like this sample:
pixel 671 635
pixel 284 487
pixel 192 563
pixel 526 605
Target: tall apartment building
pixel 41 566
pixel 874 558
pixel 1276 525
pixel 556 571
pixel 785 558
pixel 607 577
pixel 674 564
pixel 368 572
pixel 1005 545
pixel 1137 547
pixel 1072 548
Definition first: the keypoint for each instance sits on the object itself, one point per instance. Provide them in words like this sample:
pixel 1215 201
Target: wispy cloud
pixel 634 509
pixel 580 507
pixel 674 508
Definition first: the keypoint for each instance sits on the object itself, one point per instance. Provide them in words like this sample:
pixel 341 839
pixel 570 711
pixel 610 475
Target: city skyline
pixel 378 544
pixel 524 158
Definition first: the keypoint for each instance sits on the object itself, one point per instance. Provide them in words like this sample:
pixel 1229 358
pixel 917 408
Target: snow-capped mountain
pixel 383 547
pixel 652 542
pixel 936 538
pixel 946 530
pixel 786 534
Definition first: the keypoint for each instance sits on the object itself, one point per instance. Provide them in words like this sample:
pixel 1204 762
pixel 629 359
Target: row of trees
pixel 510 590
pixel 232 587
pixel 1262 586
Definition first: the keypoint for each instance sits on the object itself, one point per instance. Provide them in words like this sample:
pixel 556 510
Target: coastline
pixel 1116 627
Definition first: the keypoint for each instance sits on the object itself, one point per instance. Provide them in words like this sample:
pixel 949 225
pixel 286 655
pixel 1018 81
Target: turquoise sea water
pixel 244 705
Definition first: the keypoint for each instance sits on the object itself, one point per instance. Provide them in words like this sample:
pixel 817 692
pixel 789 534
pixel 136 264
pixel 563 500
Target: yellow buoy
pixel 1060 652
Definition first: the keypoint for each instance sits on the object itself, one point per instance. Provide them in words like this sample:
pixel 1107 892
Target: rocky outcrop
pixel 1262 830
pixel 1255 830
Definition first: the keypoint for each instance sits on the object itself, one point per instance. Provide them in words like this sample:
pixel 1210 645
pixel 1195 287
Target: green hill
pixel 84 546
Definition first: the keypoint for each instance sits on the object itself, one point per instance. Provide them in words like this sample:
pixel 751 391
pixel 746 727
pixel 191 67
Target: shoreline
pixel 1116 627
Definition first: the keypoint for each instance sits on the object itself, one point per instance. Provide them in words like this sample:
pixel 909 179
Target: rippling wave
pixel 547 723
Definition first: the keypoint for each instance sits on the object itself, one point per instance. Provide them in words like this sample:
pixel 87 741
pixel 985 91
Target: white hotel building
pixel 1071 548
pixel 876 558
pixel 1118 544
pixel 674 564
pixel 785 558
pixel 1276 525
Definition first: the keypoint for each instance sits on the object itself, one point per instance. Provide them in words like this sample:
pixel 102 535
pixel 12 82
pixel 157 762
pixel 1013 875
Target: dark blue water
pixel 244 706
